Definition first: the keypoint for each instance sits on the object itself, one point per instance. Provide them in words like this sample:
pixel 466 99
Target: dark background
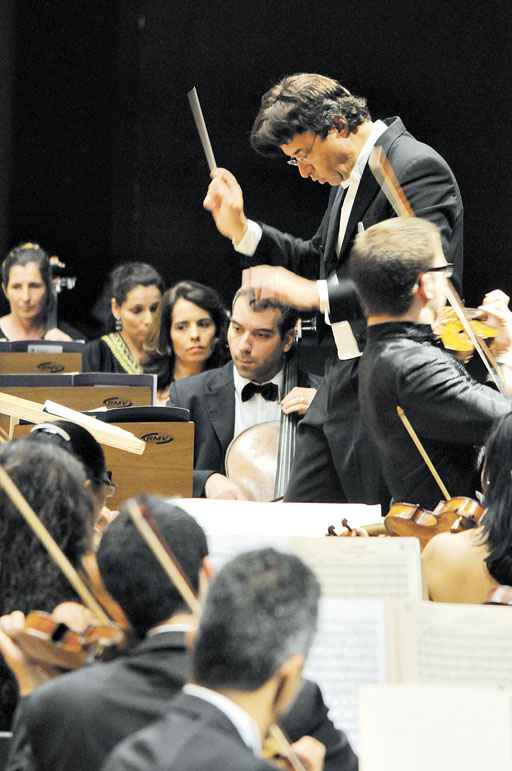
pixel 101 162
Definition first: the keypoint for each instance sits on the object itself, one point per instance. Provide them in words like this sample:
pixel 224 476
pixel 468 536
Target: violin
pixel 50 642
pixel 373 530
pixel 455 337
pixel 454 515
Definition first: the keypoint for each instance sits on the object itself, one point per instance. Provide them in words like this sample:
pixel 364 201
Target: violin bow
pixel 419 446
pixel 20 502
pixel 149 531
pixel 385 175
pixel 151 535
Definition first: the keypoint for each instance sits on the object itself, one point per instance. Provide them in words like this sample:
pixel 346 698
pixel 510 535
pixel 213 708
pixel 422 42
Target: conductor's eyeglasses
pixel 303 157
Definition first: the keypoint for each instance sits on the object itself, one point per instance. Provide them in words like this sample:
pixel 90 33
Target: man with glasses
pixel 400 272
pixel 315 124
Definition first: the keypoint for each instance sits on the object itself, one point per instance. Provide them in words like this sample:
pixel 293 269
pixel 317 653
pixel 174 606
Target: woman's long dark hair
pixel 497 482
pixel 53 483
pixel 161 359
pixel 23 254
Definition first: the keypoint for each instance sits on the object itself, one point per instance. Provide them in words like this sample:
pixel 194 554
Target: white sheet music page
pixel 444 643
pixel 351 649
pixel 310 519
pixel 434 728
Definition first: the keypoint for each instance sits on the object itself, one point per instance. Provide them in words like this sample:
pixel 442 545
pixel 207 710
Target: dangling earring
pixel 118 324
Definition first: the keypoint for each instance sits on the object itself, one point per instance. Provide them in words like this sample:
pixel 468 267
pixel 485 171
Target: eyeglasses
pixel 297 160
pixel 448 269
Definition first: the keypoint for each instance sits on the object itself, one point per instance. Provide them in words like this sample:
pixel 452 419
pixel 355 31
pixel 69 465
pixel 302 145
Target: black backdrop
pixel 105 163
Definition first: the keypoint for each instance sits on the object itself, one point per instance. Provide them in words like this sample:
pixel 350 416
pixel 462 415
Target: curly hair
pixel 161 359
pixel 304 102
pixel 52 481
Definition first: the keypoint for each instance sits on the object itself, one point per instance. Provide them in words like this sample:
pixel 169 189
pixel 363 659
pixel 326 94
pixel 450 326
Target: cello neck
pixel 288 428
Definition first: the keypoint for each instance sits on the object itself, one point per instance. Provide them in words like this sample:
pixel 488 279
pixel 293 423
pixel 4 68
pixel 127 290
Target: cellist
pixel 400 272
pixel 245 392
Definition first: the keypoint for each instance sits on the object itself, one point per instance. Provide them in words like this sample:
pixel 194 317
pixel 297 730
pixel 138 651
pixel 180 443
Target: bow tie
pixel 269 391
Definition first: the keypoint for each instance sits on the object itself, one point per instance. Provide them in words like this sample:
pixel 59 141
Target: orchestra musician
pixel 189 335
pixel 53 483
pixel 400 273
pixel 136 294
pixel 315 124
pixel 467 566
pixel 223 401
pixel 75 720
pixel 255 630
pixel 27 285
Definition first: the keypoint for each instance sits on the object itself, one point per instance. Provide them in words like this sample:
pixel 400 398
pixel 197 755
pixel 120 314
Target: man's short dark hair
pixel 288 317
pixel 131 573
pixel 304 102
pixel 260 610
pixel 387 259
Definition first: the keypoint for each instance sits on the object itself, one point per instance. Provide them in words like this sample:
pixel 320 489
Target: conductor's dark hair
pixel 304 102
pixel 261 609
pixel 23 254
pixel 52 481
pixel 131 573
pixel 161 359
pixel 387 260
pixel 497 485
pixel 288 315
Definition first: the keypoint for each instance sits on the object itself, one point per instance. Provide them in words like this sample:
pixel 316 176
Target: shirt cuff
pixel 323 295
pixel 346 343
pixel 250 240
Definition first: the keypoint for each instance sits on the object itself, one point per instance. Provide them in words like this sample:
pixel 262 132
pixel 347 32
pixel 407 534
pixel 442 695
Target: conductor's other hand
pixel 225 201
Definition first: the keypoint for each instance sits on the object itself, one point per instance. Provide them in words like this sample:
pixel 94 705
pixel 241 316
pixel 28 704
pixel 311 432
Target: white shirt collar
pixel 379 127
pixel 243 722
pixel 240 381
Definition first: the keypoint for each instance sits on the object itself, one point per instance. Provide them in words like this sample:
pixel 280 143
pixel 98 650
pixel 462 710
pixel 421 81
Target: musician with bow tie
pixel 247 391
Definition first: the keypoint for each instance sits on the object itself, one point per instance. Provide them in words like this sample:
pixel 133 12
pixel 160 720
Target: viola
pixel 48 641
pixel 454 515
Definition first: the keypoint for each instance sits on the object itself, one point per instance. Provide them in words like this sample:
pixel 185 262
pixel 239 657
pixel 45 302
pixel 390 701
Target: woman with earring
pixel 136 294
pixel 26 282
pixel 189 335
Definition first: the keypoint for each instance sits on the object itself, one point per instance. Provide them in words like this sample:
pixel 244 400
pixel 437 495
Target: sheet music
pixel 456 644
pixel 434 728
pixel 277 518
pixel 364 567
pixel 350 650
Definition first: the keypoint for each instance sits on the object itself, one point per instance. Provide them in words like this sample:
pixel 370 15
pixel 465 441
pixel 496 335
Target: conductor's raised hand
pixel 225 201
pixel 280 284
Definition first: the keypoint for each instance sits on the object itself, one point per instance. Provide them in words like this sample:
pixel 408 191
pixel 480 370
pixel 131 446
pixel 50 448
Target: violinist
pixel 53 482
pixel 226 400
pixel 400 272
pixel 467 566
pixel 76 719
pixel 255 631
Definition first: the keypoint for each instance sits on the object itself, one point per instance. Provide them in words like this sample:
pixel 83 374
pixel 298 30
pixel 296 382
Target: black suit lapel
pixel 220 404
pixel 330 255
pixel 366 192
pixel 368 186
